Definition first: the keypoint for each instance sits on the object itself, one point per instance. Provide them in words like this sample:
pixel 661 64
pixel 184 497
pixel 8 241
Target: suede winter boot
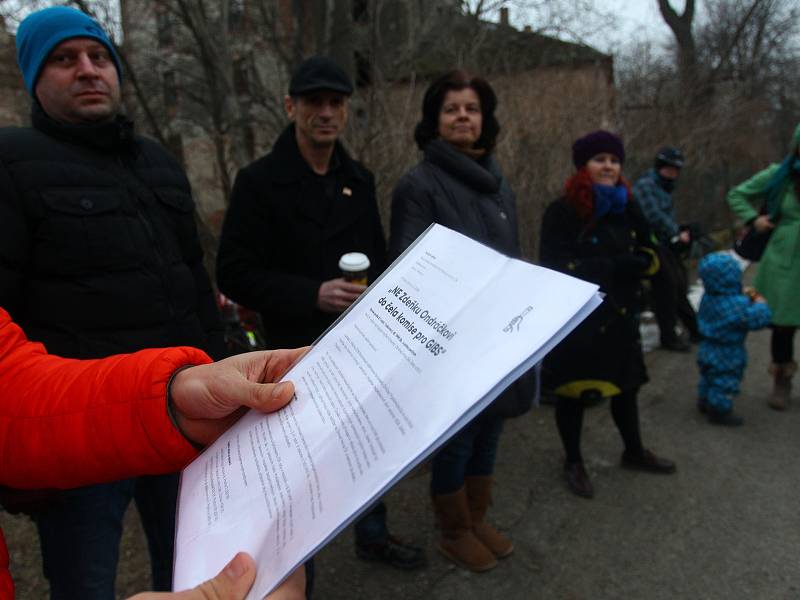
pixel 479 499
pixel 782 376
pixel 458 542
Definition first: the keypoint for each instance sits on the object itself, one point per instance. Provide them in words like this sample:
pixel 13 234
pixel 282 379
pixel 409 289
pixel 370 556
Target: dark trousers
pixel 471 451
pixel 81 530
pixel 782 343
pixel 670 286
pixel 624 411
pixel 371 527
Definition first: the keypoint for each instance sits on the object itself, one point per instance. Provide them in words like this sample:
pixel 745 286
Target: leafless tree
pixel 728 95
pixel 681 26
pixel 219 76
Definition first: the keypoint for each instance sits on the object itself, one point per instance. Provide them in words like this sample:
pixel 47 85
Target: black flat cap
pixel 319 73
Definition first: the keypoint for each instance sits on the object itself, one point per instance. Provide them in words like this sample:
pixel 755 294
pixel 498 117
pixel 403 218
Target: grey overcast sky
pixel 638 18
pixel 635 20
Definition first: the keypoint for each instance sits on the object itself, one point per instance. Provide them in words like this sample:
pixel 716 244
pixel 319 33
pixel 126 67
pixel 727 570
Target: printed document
pixel 427 347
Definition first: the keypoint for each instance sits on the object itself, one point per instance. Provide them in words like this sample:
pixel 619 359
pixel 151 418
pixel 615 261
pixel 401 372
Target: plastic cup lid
pixel 354 262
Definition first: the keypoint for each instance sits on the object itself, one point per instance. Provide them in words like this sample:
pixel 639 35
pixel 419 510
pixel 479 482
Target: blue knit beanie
pixel 45 29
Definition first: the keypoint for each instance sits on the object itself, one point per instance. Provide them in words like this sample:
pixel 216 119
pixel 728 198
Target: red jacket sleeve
pixel 68 423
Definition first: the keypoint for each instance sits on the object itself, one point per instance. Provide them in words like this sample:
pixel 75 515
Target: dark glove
pixel 635 264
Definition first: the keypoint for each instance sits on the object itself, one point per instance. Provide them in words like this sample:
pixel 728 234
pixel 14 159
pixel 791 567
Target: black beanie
pixel 594 143
pixel 669 156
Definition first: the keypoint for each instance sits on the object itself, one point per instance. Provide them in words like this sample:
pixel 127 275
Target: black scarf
pixel 481 174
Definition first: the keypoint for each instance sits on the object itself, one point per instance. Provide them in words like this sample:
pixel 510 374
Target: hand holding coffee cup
pixel 355 267
pixel 336 295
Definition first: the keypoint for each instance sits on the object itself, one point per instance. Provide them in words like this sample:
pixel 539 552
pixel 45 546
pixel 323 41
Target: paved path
pixel 726 526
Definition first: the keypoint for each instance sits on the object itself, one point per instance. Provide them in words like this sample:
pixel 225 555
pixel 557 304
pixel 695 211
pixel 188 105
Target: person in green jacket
pixel 778 279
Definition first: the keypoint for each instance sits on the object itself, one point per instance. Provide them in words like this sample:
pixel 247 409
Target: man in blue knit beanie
pixel 50 43
pixel 99 255
pixel 43 30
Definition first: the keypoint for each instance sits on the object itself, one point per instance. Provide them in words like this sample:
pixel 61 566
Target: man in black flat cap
pixel 293 213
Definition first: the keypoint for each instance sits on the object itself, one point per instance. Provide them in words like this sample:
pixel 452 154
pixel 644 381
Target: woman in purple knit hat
pixel 594 232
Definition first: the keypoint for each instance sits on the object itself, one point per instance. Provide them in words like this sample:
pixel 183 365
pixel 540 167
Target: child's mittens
pixel 754 296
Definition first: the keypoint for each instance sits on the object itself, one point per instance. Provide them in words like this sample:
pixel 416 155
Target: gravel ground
pixel 725 526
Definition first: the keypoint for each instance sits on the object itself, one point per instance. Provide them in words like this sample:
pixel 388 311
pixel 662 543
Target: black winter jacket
pixel 473 198
pixel 450 188
pixel 99 251
pixel 603 355
pixel 284 234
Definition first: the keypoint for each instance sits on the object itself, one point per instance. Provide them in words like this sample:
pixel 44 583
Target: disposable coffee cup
pixel 354 267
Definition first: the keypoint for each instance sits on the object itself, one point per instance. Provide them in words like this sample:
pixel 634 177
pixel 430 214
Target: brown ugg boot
pixel 782 375
pixel 458 542
pixel 479 498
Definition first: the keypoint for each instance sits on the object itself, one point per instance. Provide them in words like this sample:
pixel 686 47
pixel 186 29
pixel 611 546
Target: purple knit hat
pixel 595 143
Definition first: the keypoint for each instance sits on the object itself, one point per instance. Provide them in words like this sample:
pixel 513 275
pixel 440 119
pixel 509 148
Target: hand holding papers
pixel 423 351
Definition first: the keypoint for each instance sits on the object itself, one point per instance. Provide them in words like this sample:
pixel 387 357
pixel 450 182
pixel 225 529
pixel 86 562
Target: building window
pixel 241 76
pixel 170 90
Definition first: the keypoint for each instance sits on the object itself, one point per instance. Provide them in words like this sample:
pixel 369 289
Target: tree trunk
pixel 681 26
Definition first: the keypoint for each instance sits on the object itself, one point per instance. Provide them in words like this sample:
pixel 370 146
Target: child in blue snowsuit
pixel 726 315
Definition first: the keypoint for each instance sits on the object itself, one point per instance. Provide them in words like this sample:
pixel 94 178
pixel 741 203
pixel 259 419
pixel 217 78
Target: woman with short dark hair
pixel 459 185
pixel 427 129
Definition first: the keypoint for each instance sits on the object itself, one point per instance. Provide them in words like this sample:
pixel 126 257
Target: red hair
pixel 579 194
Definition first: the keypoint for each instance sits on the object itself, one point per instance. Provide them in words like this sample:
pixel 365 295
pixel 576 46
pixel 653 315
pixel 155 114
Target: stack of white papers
pixel 429 345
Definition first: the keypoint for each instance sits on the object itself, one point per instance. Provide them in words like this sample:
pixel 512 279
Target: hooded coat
pixel 778 277
pixel 726 314
pixel 64 422
pixel 724 318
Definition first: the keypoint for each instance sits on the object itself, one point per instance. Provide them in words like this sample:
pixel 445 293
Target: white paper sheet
pixel 424 350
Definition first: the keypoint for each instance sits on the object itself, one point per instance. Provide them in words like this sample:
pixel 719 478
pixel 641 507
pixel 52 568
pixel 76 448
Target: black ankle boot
pixel 728 419
pixel 578 479
pixel 647 461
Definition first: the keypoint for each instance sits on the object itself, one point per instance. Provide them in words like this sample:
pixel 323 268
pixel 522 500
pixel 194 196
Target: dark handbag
pixel 519 397
pixel 750 244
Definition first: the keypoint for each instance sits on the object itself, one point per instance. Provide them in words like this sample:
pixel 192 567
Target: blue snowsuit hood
pixel 721 274
pixel 724 318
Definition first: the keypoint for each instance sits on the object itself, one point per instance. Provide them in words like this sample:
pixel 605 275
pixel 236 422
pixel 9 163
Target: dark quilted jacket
pixel 473 198
pixel 99 251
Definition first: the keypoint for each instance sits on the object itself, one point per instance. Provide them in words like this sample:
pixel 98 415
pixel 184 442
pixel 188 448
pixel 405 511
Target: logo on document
pixel 514 324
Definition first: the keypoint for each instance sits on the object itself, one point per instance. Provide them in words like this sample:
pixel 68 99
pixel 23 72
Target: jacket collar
pixel 116 135
pixel 482 174
pixel 668 185
pixel 293 167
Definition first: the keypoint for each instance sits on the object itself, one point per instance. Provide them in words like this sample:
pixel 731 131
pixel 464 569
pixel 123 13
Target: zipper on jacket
pixel 142 213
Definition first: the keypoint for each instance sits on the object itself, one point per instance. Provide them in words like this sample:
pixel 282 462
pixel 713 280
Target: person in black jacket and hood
pixel 99 255
pixel 459 185
pixel 596 232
